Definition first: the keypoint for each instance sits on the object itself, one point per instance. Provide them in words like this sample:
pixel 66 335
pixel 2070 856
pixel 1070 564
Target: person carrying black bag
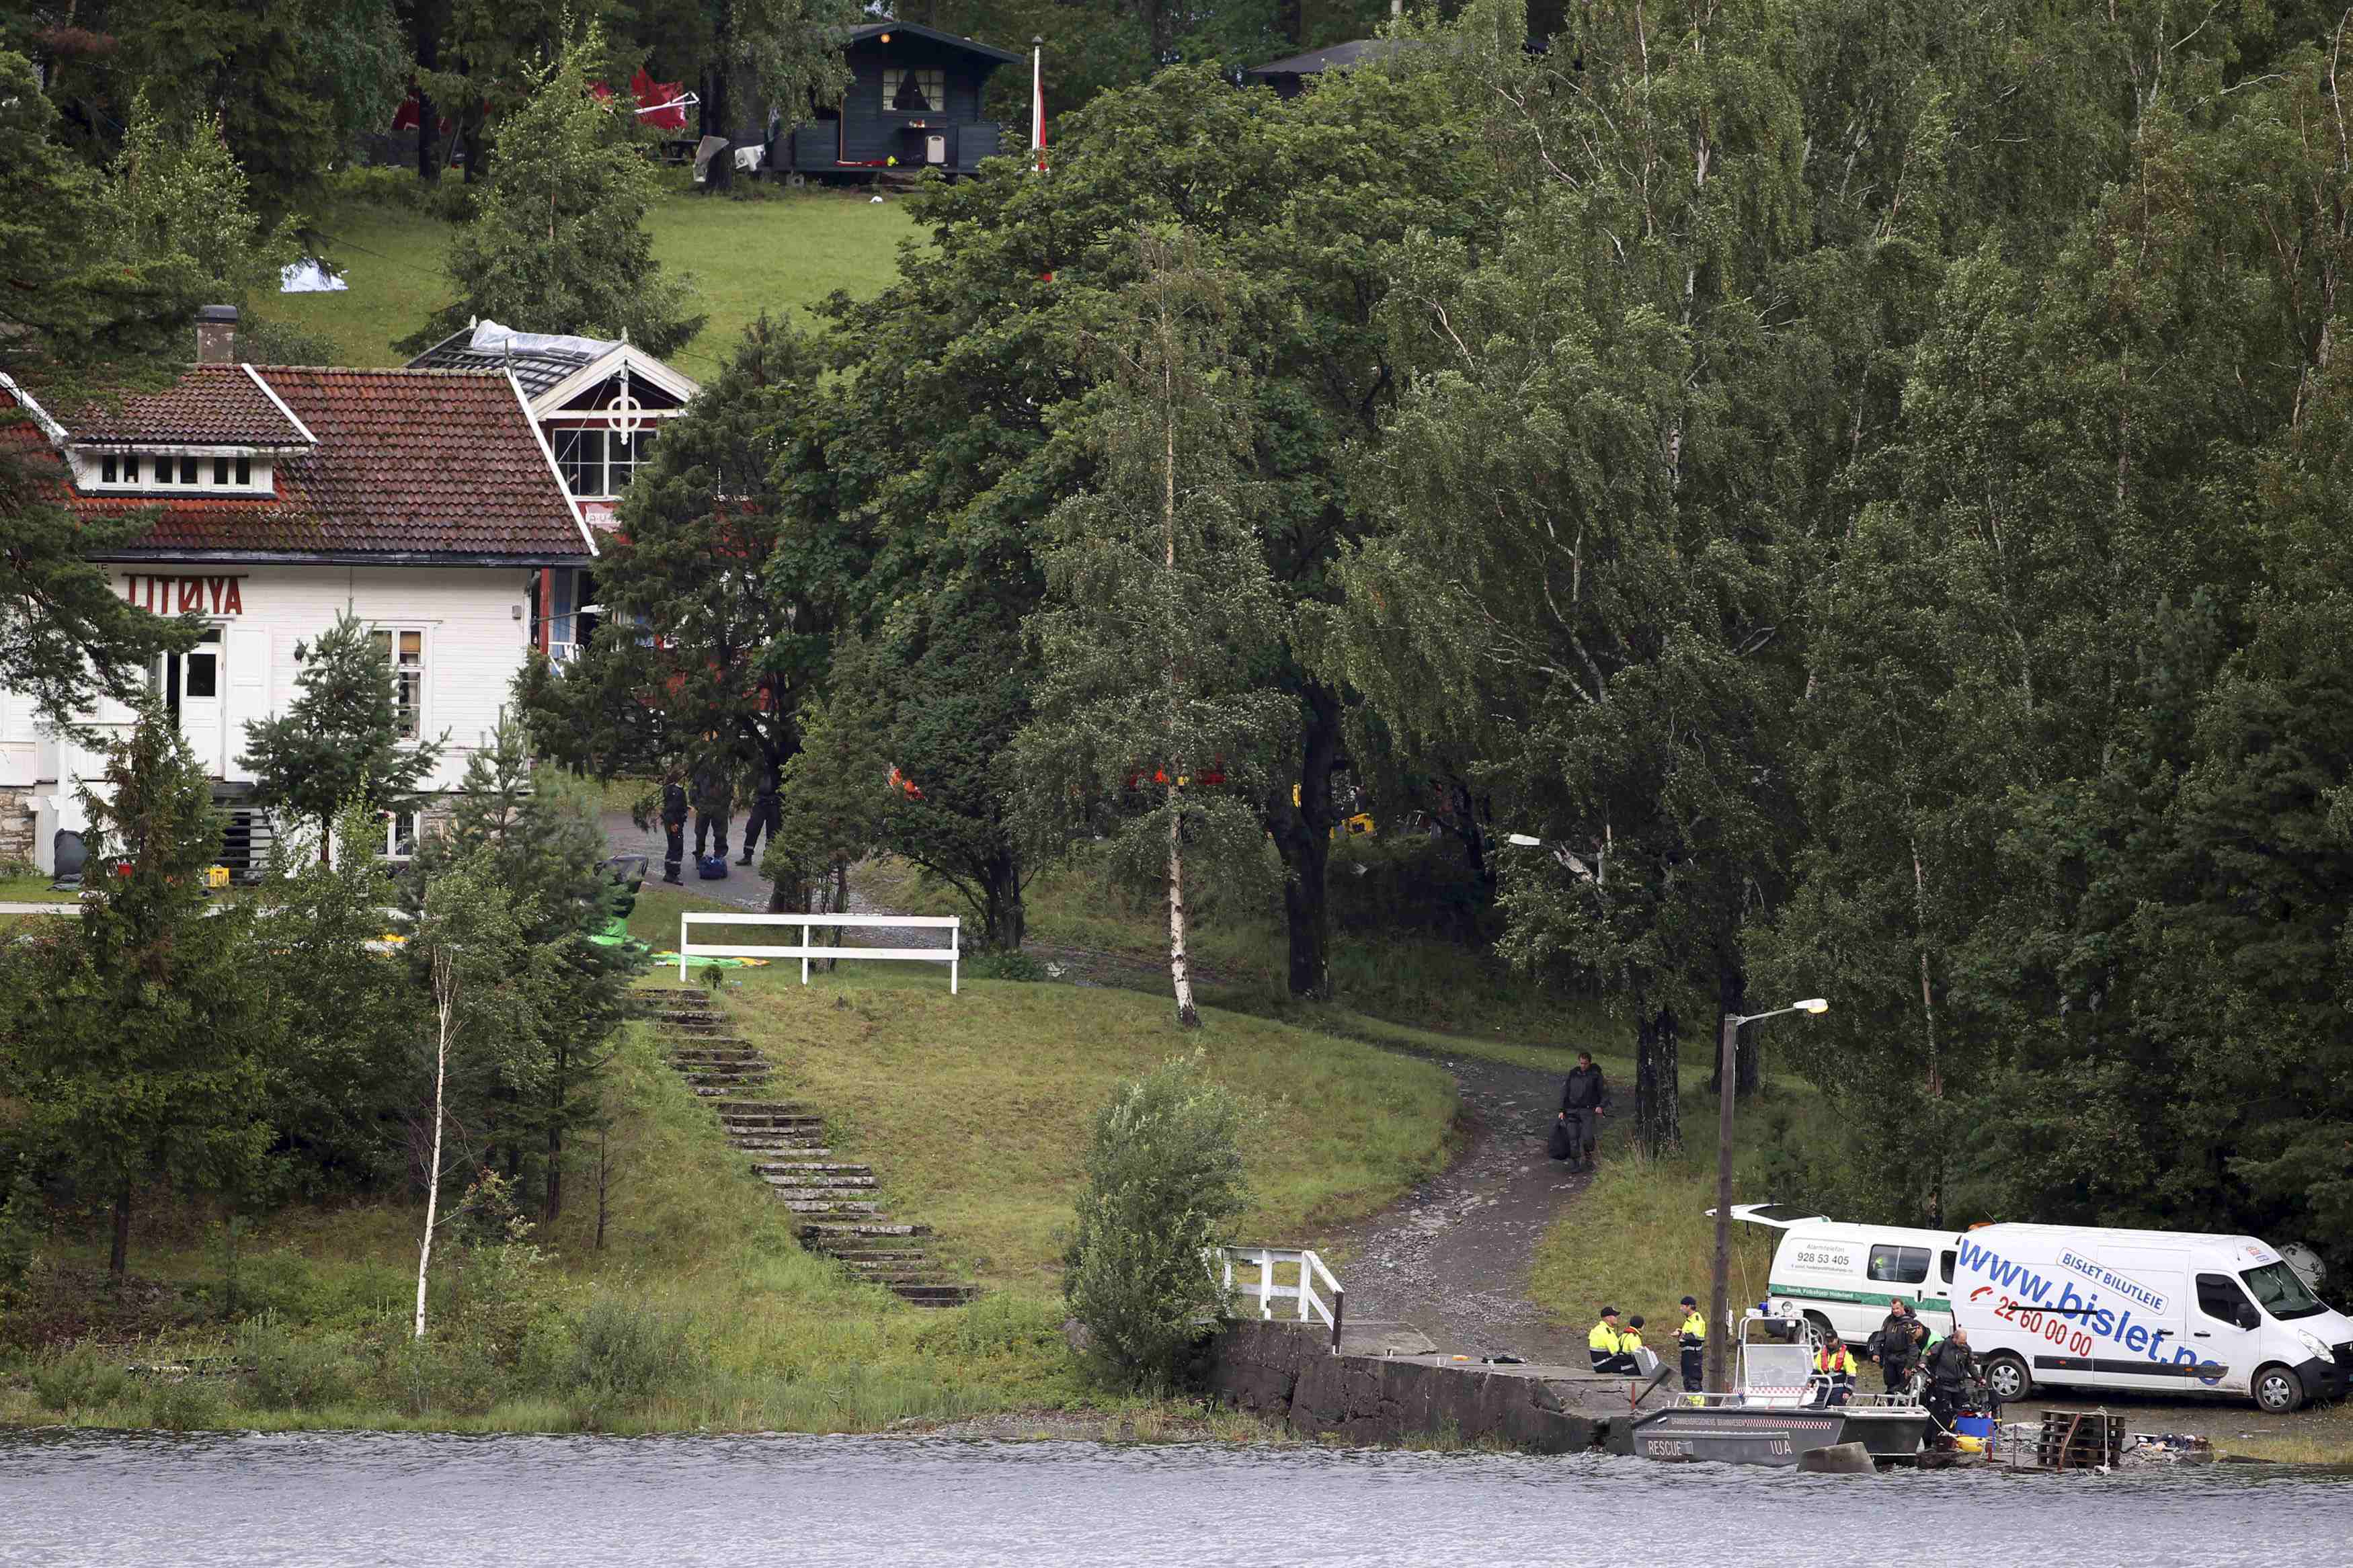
pixel 1584 1100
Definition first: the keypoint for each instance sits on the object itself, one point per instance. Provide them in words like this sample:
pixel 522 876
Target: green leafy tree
pixel 1164 1183
pixel 733 571
pixel 343 737
pixel 342 1081
pixel 558 243
pixel 142 1042
pixel 1161 618
pixel 176 187
pixel 543 844
pixel 75 320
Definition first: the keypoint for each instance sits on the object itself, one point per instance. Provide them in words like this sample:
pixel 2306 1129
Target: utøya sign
pixel 179 596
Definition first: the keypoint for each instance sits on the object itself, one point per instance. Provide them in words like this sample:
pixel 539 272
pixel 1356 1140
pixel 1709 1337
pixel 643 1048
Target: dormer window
pixel 225 473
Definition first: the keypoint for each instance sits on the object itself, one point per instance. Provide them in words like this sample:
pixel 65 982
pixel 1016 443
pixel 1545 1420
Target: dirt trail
pixel 1453 1256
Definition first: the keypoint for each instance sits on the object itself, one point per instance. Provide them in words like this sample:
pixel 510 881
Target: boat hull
pixel 1771 1436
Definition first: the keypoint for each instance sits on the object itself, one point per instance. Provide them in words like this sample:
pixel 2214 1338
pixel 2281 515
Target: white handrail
pixel 952 955
pixel 1309 1268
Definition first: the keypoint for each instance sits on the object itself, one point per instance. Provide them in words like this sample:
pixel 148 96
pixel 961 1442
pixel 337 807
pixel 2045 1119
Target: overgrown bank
pixel 700 1310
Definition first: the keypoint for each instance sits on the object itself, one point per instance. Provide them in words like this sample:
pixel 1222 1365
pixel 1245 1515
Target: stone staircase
pixel 835 1201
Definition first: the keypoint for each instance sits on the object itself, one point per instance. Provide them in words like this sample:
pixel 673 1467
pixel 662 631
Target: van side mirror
pixel 2249 1318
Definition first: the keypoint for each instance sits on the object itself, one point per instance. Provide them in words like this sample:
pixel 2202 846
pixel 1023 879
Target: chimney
pixel 217 334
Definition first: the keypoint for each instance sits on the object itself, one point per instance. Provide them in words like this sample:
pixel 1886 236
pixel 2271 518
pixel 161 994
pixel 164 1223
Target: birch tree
pixel 1156 715
pixel 480 969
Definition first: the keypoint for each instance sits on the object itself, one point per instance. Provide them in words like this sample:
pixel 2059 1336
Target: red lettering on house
pixel 192 593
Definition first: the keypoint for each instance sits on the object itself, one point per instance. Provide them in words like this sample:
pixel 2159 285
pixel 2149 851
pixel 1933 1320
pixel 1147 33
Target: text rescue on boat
pixel 184 595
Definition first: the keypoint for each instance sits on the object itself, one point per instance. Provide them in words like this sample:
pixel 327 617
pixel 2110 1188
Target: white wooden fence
pixel 1306 1269
pixel 952 955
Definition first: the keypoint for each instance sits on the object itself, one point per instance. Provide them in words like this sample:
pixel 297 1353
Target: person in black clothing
pixel 1896 1346
pixel 768 813
pixel 1951 1368
pixel 673 820
pixel 1584 1098
pixel 713 798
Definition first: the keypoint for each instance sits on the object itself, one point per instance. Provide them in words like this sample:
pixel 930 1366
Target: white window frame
pixel 392 631
pixel 605 435
pixel 391 846
pixel 153 464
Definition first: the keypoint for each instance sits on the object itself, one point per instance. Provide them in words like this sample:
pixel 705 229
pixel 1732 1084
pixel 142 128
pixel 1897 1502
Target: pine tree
pixel 559 244
pixel 1161 620
pixel 76 318
pixel 342 739
pixel 141 1040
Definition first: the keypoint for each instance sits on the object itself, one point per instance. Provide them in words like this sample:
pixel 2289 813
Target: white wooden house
pixel 425 502
pixel 599 406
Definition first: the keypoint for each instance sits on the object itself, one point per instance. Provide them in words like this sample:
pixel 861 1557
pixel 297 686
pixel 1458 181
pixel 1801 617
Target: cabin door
pixel 190 686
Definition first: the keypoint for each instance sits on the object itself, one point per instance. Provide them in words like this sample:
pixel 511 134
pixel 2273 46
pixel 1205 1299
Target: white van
pixel 1840 1278
pixel 2160 1311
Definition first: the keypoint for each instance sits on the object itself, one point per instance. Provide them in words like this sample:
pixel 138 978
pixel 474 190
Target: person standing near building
pixel 715 796
pixel 768 813
pixel 1608 1346
pixel 1584 1100
pixel 1693 1340
pixel 673 820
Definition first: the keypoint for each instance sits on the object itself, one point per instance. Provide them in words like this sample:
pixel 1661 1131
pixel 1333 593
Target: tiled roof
pixel 537 371
pixel 409 462
pixel 209 405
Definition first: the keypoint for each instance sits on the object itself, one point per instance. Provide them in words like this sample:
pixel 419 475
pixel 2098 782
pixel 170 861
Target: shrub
pixel 1165 1181
pixel 628 1353
pixel 288 1374
pixel 185 1405
pixel 996 1325
pixel 1009 965
pixel 446 1375
pixel 78 1380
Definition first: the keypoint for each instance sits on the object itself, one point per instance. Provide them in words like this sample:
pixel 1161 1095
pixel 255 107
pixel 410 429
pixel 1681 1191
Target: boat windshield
pixel 2279 1292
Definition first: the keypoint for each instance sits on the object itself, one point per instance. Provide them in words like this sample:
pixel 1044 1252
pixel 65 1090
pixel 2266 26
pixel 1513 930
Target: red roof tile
pixel 209 405
pixel 410 463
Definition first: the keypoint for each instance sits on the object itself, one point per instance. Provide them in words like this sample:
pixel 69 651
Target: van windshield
pixel 2279 1292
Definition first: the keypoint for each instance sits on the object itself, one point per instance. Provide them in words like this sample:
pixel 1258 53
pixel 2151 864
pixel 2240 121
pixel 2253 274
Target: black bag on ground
pixel 1557 1144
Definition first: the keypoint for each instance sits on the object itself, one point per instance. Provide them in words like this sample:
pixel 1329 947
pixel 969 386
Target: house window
pixel 188 470
pixel 406 650
pixel 599 463
pixel 400 835
pixel 921 90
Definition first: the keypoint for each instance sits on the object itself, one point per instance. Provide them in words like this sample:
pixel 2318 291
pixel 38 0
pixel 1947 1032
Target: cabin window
pixel 923 89
pixel 1899 1265
pixel 405 651
pixel 2219 1298
pixel 400 835
pixel 1945 1267
pixel 233 471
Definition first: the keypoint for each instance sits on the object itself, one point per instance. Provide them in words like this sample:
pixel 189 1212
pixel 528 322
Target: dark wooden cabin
pixel 914 97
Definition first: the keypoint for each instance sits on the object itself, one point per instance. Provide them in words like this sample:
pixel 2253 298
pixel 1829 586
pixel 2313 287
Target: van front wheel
pixel 2278 1390
pixel 2007 1377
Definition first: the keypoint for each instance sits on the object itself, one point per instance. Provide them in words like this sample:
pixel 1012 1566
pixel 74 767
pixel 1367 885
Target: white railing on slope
pixel 1307 1270
pixel 952 955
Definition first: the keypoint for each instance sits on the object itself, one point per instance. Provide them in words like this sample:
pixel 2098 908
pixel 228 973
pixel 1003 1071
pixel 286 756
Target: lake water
pixel 256 1500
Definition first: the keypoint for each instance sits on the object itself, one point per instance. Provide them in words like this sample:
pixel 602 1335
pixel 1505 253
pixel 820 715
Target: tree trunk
pixel 1732 1000
pixel 1302 837
pixel 428 57
pixel 552 1209
pixel 717 175
pixel 473 135
pixel 1005 920
pixel 118 1256
pixel 1188 1016
pixel 1658 1098
pixel 604 1181
pixel 1287 15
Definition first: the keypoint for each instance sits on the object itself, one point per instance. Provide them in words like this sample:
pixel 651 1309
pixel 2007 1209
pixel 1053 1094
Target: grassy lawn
pixel 975 1109
pixel 781 255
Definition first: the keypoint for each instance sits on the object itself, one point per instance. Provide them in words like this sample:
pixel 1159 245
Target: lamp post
pixel 1719 1284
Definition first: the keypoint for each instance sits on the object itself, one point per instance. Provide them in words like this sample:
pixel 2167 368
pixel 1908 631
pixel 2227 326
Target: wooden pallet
pixel 2079 1440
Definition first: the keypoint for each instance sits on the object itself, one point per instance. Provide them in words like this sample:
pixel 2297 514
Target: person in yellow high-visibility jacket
pixel 1608 1346
pixel 1691 1339
pixel 1833 1373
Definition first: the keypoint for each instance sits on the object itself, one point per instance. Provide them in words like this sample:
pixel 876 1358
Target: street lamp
pixel 1719 1284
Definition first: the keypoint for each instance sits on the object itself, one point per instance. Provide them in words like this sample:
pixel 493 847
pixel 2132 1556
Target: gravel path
pixel 1451 1257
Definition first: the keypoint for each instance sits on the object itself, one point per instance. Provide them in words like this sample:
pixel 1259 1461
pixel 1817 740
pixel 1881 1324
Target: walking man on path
pixel 1584 1100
